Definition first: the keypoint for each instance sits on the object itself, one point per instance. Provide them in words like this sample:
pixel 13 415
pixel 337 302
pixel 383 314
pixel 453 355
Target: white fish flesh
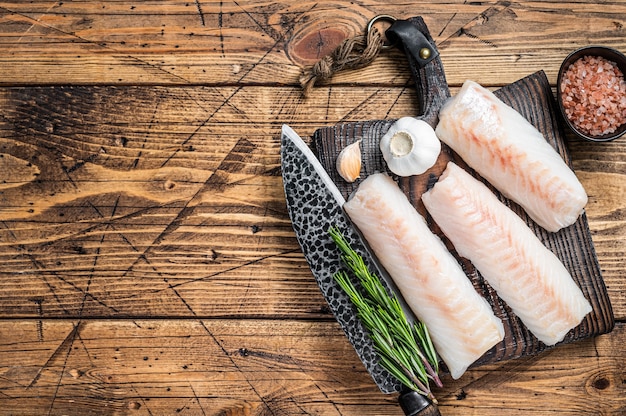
pixel 524 273
pixel 462 324
pixel 508 151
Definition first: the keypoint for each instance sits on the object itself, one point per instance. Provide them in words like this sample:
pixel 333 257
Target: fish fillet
pixel 462 324
pixel 508 151
pixel 524 273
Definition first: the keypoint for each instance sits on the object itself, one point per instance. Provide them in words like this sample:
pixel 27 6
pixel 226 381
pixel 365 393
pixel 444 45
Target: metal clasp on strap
pixel 381 18
pixel 413 41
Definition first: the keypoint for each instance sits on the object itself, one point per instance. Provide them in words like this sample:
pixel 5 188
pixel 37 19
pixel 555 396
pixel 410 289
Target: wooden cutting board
pixel 532 97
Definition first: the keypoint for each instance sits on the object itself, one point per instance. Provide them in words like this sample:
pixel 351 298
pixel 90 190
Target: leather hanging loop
pixel 413 40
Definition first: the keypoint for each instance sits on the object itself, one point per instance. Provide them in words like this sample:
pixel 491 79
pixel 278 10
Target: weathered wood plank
pixel 249 42
pixel 161 209
pixel 180 196
pixel 270 367
pixel 147 201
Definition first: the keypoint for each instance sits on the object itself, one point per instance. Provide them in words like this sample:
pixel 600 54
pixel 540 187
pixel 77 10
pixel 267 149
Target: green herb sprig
pixel 405 350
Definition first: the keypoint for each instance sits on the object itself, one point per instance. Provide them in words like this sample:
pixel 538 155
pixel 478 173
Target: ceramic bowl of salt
pixel 591 93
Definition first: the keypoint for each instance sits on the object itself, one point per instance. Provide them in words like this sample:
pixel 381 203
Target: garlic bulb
pixel 349 162
pixel 410 147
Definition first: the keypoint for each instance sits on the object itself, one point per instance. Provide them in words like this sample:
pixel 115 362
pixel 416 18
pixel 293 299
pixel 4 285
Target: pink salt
pixel 594 95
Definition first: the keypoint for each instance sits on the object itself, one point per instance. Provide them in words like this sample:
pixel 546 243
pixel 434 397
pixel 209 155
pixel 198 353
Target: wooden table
pixel 147 262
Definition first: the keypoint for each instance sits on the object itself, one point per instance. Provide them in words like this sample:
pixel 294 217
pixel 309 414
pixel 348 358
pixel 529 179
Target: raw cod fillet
pixel 524 273
pixel 508 151
pixel 462 324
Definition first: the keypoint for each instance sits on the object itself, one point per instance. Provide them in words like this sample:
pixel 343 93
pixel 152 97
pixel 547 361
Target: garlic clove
pixel 410 147
pixel 349 162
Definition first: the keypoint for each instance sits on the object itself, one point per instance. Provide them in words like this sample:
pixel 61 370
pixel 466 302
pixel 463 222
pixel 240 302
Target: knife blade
pixel 315 204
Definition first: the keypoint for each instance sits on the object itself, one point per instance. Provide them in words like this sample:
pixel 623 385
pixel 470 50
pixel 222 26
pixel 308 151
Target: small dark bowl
pixel 607 53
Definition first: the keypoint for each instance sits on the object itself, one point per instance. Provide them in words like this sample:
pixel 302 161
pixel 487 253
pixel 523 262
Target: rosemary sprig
pixel 405 350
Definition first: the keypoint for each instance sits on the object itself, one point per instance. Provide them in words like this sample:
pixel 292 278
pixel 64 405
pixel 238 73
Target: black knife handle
pixel 414 404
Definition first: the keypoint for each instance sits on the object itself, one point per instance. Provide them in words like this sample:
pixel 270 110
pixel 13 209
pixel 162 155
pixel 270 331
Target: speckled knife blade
pixel 315 204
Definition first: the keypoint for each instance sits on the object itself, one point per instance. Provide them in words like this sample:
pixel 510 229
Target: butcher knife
pixel 315 204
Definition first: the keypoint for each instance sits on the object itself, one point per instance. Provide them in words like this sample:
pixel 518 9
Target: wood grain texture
pixel 149 200
pixel 138 201
pixel 147 263
pixel 258 367
pixel 251 42
pixel 122 233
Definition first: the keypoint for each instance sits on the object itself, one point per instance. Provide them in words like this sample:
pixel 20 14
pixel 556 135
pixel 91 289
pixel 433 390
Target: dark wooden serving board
pixel 532 97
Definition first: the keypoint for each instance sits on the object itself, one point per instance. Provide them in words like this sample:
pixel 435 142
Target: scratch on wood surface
pixel 42 272
pixel 67 343
pixel 220 346
pixel 282 359
pixel 264 27
pixel 480 19
pixel 279 38
pixel 213 183
pixel 212 275
pixel 358 107
pixel 151 123
pixel 135 60
pixel 40 267
pixel 236 366
pixel 143 402
pixel 11 233
pixel 92 272
pixel 193 134
pixel 87 352
pixel 39 305
pixel 34 21
pixel 445 26
pixel 321 390
pixel 472 36
pixel 327 107
pixel 503 376
pixel 200 12
pixel 197 399
pixel 3 394
pixel 220 24
pixel 397 99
